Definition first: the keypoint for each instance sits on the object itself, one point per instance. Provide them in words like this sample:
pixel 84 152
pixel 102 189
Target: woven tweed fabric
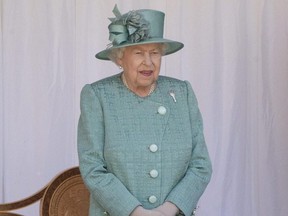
pixel 116 129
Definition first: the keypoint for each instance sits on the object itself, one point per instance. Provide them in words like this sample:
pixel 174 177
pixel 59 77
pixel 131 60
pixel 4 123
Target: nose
pixel 147 59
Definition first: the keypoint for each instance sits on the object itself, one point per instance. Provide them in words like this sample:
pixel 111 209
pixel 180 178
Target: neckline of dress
pixel 152 88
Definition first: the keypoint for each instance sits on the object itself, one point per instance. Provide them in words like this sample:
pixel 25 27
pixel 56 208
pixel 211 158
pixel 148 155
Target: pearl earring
pixel 120 67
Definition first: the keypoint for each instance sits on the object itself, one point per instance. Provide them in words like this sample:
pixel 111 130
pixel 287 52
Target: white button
pixel 154 173
pixel 153 148
pixel 152 199
pixel 162 110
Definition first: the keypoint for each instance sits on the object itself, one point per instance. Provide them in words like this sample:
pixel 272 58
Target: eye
pixel 155 52
pixel 137 52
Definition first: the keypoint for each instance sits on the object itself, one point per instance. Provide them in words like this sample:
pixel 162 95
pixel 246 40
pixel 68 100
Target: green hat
pixel 137 27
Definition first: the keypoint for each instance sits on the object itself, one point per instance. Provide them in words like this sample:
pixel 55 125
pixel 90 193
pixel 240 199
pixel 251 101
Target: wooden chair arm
pixel 6 207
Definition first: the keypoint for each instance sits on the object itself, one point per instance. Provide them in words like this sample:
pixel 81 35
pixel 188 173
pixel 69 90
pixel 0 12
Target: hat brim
pixel 171 47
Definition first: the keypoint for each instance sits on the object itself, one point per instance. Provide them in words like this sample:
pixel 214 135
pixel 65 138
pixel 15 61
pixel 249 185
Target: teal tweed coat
pixel 141 151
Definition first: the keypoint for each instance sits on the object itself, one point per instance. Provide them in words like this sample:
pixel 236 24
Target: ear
pixel 119 62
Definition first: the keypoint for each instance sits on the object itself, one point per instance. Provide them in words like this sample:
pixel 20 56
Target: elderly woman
pixel 140 137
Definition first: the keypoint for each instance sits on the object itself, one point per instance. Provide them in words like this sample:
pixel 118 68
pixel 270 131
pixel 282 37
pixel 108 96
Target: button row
pixel 154 148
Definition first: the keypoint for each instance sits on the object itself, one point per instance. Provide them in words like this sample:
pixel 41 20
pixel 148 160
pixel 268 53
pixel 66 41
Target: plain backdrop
pixel 235 56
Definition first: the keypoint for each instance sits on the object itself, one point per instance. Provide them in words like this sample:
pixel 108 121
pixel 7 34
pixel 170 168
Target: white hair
pixel 117 53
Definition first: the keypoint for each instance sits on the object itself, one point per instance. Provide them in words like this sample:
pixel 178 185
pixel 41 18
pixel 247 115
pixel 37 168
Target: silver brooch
pixel 173 95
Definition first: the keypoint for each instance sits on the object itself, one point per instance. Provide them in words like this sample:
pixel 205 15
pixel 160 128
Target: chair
pixel 65 195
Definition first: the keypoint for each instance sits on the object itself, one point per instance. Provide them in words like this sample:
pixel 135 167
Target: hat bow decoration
pixel 130 27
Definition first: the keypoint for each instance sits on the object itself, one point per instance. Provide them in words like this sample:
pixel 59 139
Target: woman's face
pixel 141 65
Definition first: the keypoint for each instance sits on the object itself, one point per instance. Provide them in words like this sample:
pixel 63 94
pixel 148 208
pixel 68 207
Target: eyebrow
pixel 140 49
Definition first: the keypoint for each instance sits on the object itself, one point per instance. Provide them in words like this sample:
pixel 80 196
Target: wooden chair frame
pixel 66 194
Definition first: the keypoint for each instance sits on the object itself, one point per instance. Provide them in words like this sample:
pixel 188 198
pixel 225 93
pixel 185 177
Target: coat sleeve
pixel 105 188
pixel 190 188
